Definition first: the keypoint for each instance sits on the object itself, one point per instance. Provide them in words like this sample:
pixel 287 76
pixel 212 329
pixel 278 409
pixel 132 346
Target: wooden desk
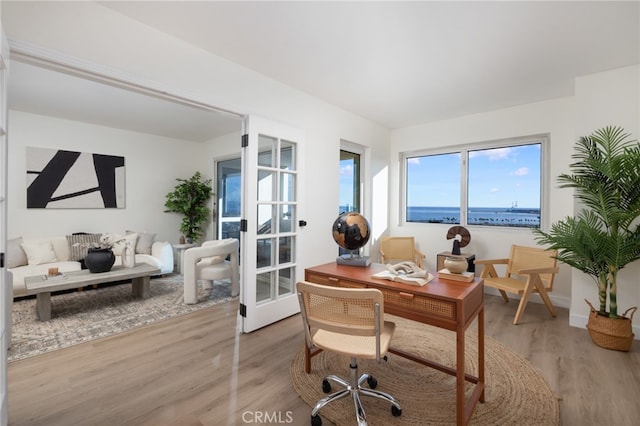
pixel 447 304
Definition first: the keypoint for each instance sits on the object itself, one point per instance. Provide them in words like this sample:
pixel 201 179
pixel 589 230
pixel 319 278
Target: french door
pixel 270 211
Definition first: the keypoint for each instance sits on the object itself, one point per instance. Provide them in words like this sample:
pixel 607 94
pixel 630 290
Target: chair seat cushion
pixel 357 346
pixel 511 285
pixel 215 271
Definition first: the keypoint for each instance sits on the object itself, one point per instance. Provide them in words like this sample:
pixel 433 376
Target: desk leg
pixel 481 352
pixel 141 287
pixel 307 359
pixel 460 373
pixel 43 306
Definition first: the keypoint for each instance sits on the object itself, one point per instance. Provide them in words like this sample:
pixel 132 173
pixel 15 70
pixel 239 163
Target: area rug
pixel 515 393
pixel 81 316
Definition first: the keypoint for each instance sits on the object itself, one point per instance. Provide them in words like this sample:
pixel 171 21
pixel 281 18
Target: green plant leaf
pixel 190 198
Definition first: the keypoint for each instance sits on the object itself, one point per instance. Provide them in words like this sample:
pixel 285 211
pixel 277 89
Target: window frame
pixel 463 151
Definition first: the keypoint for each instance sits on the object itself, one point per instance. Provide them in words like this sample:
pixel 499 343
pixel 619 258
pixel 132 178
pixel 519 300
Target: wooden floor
pixel 198 370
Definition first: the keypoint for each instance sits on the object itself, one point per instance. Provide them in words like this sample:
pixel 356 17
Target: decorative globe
pixel 351 230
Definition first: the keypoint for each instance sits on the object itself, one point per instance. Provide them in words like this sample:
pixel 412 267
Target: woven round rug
pixel 515 393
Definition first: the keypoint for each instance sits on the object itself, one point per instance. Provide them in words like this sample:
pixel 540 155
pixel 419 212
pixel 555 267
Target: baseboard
pixel 580 321
pixel 575 320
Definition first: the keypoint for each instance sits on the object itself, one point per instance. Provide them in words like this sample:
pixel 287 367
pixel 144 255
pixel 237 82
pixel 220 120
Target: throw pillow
pixel 122 240
pixel 144 243
pixel 39 253
pixel 15 255
pixel 79 244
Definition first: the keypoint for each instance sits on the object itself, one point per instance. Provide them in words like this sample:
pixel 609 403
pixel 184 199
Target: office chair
pixel 350 322
pixel 529 270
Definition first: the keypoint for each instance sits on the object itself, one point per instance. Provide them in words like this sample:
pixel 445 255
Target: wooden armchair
pixel 400 249
pixel 529 270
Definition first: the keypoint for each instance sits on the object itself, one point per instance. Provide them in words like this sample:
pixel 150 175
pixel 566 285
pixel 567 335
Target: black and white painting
pixel 59 179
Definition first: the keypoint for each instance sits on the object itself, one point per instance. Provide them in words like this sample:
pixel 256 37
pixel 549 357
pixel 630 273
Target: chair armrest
pixel 491 262
pixel 530 271
pixel 225 247
pixel 193 255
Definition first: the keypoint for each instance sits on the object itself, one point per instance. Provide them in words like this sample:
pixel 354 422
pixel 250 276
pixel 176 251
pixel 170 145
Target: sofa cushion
pixel 80 243
pixel 15 254
pixel 39 252
pixel 145 240
pixel 19 274
pixel 121 240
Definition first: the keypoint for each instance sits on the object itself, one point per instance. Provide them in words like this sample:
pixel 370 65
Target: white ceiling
pixel 406 63
pixel 43 91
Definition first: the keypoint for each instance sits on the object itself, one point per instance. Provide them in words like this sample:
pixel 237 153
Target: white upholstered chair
pixel 207 263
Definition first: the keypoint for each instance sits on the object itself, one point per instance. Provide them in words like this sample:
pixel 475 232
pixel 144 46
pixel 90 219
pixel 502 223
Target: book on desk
pixel 403 278
pixel 466 277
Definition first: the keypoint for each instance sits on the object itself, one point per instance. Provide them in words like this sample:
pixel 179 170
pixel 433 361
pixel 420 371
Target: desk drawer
pixel 420 305
pixel 332 281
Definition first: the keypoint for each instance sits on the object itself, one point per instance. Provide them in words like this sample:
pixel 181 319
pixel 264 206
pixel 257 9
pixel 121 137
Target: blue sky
pixel 498 177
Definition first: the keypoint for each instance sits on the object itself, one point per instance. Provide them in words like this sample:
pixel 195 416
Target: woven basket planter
pixel 608 333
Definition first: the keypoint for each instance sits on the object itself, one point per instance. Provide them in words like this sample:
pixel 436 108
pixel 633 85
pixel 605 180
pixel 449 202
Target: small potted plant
pixel 190 198
pixel 604 236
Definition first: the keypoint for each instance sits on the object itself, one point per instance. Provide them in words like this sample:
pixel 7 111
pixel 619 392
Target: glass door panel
pixel 271 213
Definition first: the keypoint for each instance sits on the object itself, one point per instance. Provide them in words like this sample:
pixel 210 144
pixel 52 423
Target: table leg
pixel 141 287
pixel 43 305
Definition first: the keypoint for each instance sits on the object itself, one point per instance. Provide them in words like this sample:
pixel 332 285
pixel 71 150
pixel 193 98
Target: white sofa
pixel 48 252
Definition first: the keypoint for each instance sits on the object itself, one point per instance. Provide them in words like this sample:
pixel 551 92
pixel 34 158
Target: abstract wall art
pixel 59 179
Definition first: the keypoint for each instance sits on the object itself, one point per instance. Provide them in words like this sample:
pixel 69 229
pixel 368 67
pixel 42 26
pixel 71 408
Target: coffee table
pixel 42 286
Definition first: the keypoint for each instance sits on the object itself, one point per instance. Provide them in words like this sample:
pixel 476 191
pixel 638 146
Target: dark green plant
pixel 190 198
pixel 605 234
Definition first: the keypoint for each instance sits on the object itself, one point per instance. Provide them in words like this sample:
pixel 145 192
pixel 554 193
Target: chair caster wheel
pixel 326 386
pixel 316 420
pixel 373 383
pixel 395 411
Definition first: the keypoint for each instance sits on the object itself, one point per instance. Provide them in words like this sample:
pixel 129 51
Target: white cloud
pixel 346 170
pixel 493 154
pixel 413 160
pixel 522 171
pixel 494 190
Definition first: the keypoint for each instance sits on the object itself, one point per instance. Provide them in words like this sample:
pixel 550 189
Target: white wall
pixel 143 55
pixel 152 164
pixel 553 117
pixel 608 98
pixel 604 99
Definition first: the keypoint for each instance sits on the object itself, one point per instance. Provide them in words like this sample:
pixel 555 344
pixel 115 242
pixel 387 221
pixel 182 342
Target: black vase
pixel 99 260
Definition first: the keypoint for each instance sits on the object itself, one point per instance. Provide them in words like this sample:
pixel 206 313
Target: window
pixel 228 192
pixel 349 182
pixel 490 184
pixel 349 191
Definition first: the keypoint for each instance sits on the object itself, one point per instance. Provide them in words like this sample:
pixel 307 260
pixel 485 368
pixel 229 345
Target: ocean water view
pixel 490 216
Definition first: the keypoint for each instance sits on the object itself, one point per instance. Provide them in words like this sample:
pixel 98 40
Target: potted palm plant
pixel 190 198
pixel 604 236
